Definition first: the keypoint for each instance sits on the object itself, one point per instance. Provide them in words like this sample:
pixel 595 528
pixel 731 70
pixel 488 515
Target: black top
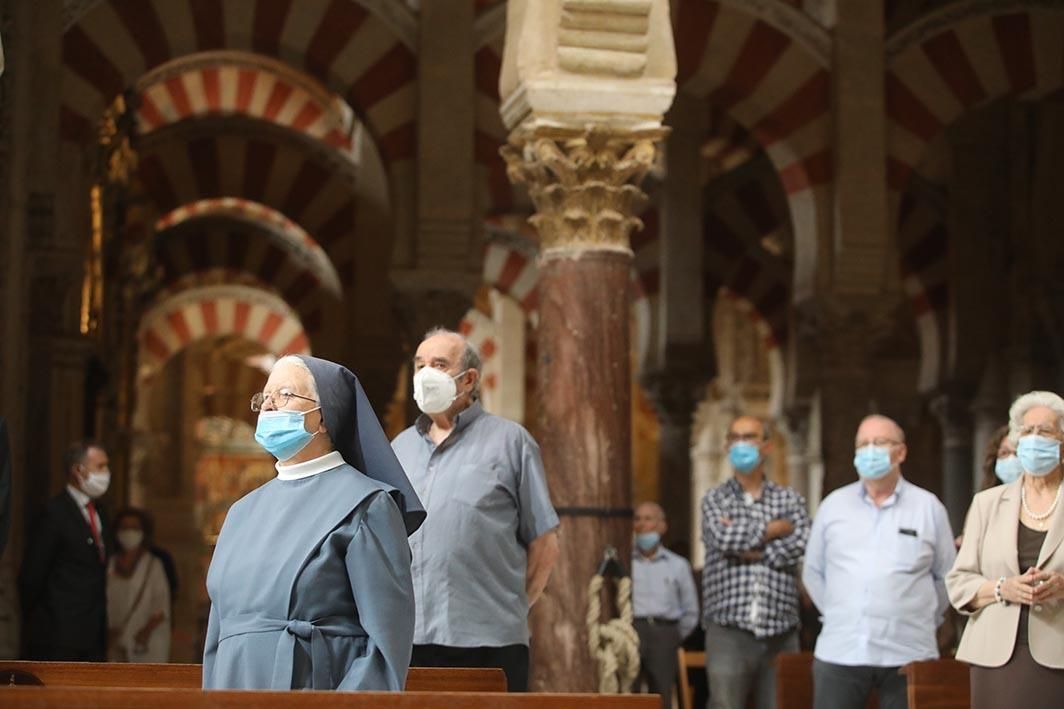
pixel 357 435
pixel 1028 546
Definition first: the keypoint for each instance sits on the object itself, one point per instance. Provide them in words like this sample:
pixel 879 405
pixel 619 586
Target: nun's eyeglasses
pixel 280 399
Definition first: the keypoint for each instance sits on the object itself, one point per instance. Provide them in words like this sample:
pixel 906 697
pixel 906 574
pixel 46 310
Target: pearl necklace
pixel 1042 517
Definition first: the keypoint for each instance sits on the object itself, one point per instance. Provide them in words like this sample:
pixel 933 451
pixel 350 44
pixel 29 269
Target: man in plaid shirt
pixel 755 533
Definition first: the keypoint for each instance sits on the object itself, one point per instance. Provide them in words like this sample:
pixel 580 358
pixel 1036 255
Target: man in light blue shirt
pixel 664 601
pixel 875 566
pixel 486 549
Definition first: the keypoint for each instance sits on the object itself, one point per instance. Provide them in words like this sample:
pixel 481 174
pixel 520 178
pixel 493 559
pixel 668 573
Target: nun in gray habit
pixel 310 581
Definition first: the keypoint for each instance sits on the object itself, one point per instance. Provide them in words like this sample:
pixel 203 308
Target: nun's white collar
pixel 309 467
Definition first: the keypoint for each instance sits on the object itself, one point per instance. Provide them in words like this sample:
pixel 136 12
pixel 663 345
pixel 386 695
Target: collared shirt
pixel 664 587
pixel 877 574
pixel 298 471
pixel 82 501
pixel 486 496
pixel 760 596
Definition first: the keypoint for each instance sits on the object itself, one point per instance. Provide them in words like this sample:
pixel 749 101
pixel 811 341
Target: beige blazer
pixel 989 552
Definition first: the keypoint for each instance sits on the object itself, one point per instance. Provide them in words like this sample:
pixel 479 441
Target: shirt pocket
pixel 477 485
pixel 911 553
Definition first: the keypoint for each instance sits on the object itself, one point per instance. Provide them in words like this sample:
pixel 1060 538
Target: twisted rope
pixel 614 644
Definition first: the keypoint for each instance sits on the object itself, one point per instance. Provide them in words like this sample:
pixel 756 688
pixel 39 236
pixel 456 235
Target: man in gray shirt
pixel 664 601
pixel 486 549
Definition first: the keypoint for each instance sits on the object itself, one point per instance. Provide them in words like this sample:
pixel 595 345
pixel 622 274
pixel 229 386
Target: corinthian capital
pixel 585 183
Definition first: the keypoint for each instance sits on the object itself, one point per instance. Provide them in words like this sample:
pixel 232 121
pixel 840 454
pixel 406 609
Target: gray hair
pixel 298 362
pixel 1028 401
pixel 470 358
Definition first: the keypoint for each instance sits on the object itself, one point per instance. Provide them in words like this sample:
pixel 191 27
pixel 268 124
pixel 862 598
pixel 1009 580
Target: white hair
pixel 1028 401
pixel 297 362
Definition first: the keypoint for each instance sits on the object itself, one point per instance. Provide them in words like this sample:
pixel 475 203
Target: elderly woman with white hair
pixel 1009 574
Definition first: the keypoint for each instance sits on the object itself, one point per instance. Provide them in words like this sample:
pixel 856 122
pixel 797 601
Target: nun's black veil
pixel 357 434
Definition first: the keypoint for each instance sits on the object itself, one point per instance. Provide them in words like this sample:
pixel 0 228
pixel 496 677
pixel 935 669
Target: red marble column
pixel 584 183
pixel 584 380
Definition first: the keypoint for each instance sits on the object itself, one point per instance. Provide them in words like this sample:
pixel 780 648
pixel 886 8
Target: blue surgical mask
pixel 744 456
pixel 282 433
pixel 647 541
pixel 872 462
pixel 1039 455
pixel 1008 469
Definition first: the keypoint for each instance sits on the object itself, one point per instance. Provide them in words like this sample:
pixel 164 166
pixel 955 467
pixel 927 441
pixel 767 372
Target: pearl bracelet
pixel 997 592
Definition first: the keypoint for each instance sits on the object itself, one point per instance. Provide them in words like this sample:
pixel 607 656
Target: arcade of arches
pixel 648 215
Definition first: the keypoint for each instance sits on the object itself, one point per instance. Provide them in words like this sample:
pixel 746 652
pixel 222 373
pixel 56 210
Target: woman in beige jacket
pixel 1009 574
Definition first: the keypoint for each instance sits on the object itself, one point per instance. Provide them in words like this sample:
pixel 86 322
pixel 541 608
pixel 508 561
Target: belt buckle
pixel 651 620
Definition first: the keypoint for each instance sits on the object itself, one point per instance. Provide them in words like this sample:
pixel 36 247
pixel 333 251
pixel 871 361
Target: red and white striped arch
pixel 776 81
pixel 211 311
pixel 305 254
pixel 735 225
pixel 481 332
pixel 939 68
pixel 958 59
pixel 235 83
pixel 181 169
pixel 347 47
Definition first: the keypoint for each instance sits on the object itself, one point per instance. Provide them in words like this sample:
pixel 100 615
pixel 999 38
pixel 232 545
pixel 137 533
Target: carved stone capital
pixel 583 182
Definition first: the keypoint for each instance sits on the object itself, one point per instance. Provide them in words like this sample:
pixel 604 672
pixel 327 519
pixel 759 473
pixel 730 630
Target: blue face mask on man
pixel 647 541
pixel 1008 469
pixel 744 456
pixel 283 433
pixel 872 462
pixel 1039 455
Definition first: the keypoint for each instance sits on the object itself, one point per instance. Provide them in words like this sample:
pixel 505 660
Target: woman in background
pixel 138 595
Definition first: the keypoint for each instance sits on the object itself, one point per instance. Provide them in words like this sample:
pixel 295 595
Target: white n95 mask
pixel 435 391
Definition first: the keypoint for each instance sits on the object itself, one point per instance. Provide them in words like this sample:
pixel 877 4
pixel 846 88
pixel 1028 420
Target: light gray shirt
pixel 877 575
pixel 486 496
pixel 664 587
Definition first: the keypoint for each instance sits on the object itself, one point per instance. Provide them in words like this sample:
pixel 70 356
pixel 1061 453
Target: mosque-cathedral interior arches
pixel 777 84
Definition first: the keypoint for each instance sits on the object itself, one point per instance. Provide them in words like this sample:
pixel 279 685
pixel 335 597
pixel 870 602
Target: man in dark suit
pixel 64 572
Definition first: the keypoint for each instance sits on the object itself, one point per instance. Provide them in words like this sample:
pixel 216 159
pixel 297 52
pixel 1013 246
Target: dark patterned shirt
pixel 758 596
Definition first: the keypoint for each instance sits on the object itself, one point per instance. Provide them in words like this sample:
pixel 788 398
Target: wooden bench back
pixel 794 682
pixel 128 698
pixel 938 684
pixel 175 676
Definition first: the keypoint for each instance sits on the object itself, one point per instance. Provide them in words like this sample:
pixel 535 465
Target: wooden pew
pixel 175 676
pixel 794 682
pixel 128 698
pixel 938 684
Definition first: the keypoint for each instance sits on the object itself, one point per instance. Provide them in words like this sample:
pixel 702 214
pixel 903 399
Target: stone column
pixel 584 87
pixel 954 414
pixel 861 243
pixel 841 337
pixel 584 185
pixel 437 278
pixel 676 395
pixel 682 362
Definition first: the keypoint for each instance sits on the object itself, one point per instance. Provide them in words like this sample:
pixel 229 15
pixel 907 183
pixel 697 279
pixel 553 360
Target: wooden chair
pixel 688 660
pixel 139 697
pixel 177 676
pixel 938 684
